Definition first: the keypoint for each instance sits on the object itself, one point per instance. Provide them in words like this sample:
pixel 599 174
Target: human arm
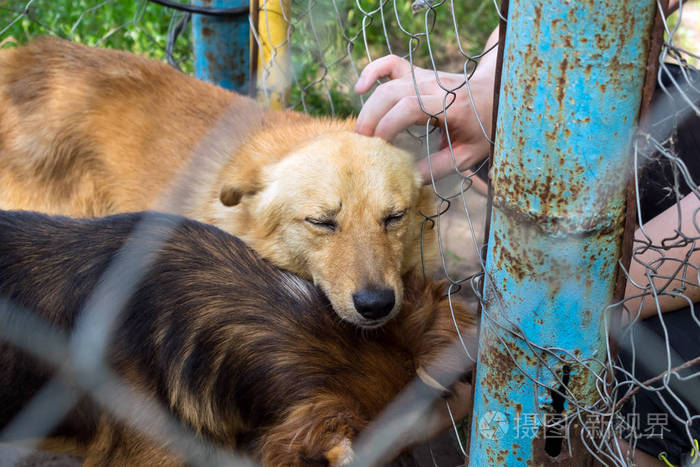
pixel 665 263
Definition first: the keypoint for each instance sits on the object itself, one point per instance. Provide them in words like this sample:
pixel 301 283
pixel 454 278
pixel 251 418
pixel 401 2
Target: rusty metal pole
pixel 570 95
pixel 222 45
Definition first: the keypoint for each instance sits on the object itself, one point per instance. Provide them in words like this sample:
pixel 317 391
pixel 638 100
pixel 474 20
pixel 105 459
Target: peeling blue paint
pixel 571 90
pixel 222 46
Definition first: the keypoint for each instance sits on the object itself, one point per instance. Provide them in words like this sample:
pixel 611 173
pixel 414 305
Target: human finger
pixel 444 162
pixel 408 111
pixel 391 66
pixel 382 100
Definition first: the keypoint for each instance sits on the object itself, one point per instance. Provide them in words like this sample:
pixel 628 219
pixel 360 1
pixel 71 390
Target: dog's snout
pixel 374 303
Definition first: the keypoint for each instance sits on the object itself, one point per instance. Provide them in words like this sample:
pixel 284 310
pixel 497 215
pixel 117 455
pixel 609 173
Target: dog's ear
pixel 236 186
pixel 230 195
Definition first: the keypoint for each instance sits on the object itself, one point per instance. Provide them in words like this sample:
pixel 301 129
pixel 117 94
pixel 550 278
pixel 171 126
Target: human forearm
pixel 680 262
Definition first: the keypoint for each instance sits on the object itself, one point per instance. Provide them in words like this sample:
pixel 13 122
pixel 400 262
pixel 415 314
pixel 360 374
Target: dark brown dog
pixel 246 355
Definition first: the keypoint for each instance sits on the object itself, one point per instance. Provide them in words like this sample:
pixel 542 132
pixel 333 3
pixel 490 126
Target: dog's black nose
pixel 374 303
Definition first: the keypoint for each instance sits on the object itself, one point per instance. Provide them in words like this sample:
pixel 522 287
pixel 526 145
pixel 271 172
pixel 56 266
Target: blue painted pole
pixel 571 90
pixel 222 46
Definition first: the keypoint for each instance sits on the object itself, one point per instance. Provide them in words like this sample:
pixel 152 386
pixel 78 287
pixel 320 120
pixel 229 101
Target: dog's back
pixel 48 266
pixel 67 107
pixel 89 131
pixel 238 350
pixel 201 283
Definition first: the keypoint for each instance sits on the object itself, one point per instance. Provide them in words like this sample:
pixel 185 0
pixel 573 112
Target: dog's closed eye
pixel 322 223
pixel 393 219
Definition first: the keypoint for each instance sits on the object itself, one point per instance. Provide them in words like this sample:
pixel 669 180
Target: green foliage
pixel 332 41
pixel 328 37
pixel 687 34
pixel 138 26
pixel 425 30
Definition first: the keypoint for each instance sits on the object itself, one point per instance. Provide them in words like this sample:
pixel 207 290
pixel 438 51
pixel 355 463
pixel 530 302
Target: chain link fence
pixel 647 382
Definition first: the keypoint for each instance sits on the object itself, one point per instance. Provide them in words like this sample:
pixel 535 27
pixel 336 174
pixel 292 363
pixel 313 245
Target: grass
pixel 373 28
pixel 138 26
pixel 320 36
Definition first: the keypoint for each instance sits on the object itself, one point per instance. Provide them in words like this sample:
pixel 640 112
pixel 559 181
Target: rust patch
pixel 562 81
pixel 501 457
pixel 582 384
pixel 568 42
pixel 491 455
pixel 502 369
pixel 538 14
pixel 586 318
pixel 508 260
pixel 499 367
pixel 600 41
pixel 518 260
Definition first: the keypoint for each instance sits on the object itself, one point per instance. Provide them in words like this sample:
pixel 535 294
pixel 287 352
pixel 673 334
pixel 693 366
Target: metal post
pixel 222 46
pixel 571 89
pixel 273 60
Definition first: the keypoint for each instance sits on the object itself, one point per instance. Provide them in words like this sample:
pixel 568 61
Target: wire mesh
pixel 141 26
pixel 647 391
pixel 433 39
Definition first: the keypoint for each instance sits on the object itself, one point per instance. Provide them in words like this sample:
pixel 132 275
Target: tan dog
pixel 90 132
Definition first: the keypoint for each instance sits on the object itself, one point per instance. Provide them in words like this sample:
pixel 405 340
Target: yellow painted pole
pixel 273 59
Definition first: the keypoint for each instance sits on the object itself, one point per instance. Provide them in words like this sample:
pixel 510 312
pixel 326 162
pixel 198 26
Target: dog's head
pixel 342 210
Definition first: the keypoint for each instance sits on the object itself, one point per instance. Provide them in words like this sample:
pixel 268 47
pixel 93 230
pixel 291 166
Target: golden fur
pixel 90 132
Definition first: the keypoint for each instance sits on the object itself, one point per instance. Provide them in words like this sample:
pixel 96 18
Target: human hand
pixel 396 105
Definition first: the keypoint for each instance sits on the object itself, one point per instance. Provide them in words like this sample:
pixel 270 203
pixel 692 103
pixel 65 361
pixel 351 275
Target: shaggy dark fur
pixel 248 356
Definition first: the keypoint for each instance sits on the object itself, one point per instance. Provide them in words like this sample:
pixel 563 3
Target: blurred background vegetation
pixel 138 26
pixel 328 37
pixel 448 31
pixel 330 40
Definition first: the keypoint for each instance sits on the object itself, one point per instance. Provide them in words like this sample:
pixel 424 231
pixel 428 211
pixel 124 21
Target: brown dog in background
pixel 86 132
pixel 247 356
